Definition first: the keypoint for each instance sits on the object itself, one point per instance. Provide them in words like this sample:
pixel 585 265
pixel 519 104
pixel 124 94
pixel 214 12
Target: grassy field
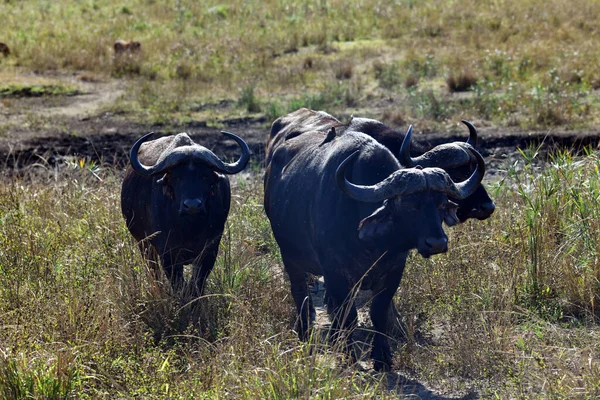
pixel 529 64
pixel 511 311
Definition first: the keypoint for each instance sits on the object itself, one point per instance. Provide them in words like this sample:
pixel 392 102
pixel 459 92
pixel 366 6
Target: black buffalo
pixel 175 200
pixel 455 158
pixel 343 207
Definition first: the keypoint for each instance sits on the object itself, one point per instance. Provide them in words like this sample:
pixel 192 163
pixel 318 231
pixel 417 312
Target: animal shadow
pixel 410 388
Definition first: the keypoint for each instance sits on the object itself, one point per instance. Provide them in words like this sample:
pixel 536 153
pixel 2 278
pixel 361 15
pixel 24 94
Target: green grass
pixel 510 311
pixel 26 90
pixel 528 64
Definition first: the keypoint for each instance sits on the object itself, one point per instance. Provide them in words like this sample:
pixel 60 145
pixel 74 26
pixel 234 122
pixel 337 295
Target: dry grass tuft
pixel 461 82
pixel 509 310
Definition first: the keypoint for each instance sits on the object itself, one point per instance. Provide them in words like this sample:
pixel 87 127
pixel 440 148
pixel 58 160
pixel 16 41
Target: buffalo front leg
pixel 173 270
pixel 380 306
pixel 202 267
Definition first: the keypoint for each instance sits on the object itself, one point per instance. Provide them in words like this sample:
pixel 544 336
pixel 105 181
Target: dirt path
pixel 96 95
pixel 403 385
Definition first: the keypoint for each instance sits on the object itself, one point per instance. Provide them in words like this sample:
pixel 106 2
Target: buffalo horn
pixel 472 140
pixel 404 156
pixel 195 152
pixel 368 194
pixel 407 181
pixel 466 188
pixel 432 157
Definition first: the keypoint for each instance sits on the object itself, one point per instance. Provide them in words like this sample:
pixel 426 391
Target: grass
pixel 519 66
pixel 510 311
pixel 20 90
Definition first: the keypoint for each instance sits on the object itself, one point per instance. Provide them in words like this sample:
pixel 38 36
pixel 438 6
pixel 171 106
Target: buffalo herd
pixel 346 201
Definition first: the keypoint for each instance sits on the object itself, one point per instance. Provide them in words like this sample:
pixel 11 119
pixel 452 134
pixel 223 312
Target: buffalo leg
pixel 396 328
pixel 341 306
pixel 203 267
pixel 173 270
pixel 304 306
pixel 381 353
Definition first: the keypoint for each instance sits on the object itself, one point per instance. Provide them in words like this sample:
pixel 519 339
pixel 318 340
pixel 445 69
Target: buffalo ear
pixel 451 218
pixel 376 225
pixel 165 184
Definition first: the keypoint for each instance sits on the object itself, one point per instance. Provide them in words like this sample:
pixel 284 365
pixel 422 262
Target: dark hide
pixel 322 231
pixel 177 216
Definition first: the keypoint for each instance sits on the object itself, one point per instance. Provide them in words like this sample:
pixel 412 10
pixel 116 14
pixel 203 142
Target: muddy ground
pixel 75 127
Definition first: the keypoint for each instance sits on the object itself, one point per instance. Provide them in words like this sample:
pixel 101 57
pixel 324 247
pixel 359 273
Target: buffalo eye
pixel 452 206
pixel 165 183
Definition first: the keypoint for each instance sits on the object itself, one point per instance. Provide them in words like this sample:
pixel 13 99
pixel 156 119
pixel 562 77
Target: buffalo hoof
pixel 382 360
pixel 381 366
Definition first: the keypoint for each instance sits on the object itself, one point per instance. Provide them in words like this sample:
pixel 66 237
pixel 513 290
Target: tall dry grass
pixel 510 311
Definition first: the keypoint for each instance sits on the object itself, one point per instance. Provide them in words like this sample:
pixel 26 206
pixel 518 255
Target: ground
pixel 47 131
pixel 59 128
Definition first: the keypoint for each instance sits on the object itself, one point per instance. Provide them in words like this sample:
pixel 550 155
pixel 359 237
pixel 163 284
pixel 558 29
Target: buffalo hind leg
pixel 304 305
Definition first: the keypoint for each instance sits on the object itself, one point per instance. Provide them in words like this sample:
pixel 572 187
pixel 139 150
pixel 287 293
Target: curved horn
pixel 404 155
pixel 241 163
pixel 133 156
pixel 407 181
pixel 368 194
pixel 464 189
pixel 472 133
pixel 195 152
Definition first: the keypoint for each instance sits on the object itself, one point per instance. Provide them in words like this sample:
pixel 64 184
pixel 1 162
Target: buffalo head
pixel 459 161
pixel 415 203
pixel 186 172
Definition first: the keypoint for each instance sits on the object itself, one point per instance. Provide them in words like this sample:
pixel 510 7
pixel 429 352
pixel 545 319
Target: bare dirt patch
pixel 71 127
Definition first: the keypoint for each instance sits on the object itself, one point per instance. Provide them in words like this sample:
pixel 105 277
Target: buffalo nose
pixel 193 206
pixel 488 207
pixel 436 245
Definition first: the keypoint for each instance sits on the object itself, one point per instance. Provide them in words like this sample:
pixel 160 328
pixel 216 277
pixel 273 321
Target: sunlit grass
pixel 511 309
pixel 529 63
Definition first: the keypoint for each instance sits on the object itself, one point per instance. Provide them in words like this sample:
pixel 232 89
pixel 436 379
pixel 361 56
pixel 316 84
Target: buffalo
pixel 342 206
pixel 455 158
pixel 175 200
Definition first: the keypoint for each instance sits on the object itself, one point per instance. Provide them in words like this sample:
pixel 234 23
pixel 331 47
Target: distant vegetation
pixel 530 64
pixel 16 90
